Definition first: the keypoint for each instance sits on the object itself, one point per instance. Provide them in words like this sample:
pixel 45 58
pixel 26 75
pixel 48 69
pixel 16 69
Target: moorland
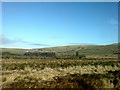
pixel 76 66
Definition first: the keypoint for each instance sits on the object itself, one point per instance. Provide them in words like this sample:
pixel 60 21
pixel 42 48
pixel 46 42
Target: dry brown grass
pixel 31 77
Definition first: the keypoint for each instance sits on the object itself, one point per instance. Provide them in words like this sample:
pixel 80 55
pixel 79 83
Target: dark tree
pixel 77 53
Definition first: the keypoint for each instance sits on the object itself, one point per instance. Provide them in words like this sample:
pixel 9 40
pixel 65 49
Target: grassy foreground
pixel 60 73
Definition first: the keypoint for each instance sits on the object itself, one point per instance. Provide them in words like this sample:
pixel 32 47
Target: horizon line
pixel 55 46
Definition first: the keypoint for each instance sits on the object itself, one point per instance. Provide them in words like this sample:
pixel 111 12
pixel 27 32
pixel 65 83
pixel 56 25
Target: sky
pixel 50 24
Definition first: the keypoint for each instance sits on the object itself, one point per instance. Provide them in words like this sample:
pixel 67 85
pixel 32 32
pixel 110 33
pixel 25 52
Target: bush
pixel 82 56
pixel 4 79
pixel 39 54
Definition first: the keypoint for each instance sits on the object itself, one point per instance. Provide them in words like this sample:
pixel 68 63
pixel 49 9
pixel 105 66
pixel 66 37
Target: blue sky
pixel 49 24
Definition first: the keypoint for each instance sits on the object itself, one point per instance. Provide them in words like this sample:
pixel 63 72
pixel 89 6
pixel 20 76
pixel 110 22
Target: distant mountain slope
pixel 84 49
pixel 70 50
pixel 17 51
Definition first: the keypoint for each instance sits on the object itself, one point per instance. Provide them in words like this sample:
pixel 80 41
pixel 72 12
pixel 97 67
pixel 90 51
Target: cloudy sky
pixel 48 24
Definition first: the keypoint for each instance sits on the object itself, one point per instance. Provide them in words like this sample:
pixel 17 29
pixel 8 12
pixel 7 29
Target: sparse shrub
pixel 4 79
pixel 6 53
pixel 78 81
pixel 24 82
pixel 77 54
pixel 27 69
pixel 51 54
pixel 82 56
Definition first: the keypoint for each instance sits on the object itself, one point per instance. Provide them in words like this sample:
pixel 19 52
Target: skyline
pixel 49 24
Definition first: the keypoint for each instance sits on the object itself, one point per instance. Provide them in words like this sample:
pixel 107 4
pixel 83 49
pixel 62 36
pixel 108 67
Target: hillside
pixel 71 50
pixel 84 49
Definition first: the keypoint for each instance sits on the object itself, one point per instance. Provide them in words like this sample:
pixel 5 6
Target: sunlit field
pixel 61 67
pixel 55 73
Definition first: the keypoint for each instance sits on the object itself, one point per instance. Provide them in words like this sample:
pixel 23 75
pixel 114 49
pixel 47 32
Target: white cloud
pixel 15 47
pixel 83 43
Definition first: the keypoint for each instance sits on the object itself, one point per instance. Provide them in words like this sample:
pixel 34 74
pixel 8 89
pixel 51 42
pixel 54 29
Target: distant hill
pixel 84 49
pixel 71 50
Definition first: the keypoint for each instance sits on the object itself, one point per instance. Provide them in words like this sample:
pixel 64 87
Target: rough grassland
pixel 67 69
pixel 60 73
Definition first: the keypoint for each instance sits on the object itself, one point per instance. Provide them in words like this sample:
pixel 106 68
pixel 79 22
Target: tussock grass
pixel 30 77
pixel 48 73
